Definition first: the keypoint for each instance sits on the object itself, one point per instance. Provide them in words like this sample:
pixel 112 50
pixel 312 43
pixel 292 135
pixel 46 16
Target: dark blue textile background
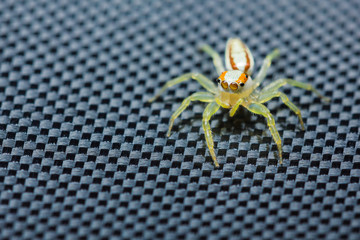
pixel 84 156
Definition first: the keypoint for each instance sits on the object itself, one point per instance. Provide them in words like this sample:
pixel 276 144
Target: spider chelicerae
pixel 236 88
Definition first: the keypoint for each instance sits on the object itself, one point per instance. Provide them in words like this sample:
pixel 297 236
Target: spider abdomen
pixel 238 56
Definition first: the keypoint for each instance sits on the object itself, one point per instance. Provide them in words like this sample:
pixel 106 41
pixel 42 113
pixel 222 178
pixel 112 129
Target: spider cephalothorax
pixel 232 80
pixel 236 88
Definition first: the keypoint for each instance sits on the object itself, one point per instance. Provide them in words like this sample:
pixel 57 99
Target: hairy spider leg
pixel 266 96
pixel 265 66
pixel 209 111
pixel 236 106
pixel 258 108
pixel 198 96
pixel 215 56
pixel 281 82
pixel 204 81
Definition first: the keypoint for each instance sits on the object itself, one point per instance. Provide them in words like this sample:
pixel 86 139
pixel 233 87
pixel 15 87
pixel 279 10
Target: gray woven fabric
pixel 84 156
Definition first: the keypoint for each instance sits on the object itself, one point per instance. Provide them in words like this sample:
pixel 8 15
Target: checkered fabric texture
pixel 83 155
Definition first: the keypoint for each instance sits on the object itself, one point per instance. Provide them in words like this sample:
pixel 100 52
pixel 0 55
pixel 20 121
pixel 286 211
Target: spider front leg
pixel 258 108
pixel 198 96
pixel 204 81
pixel 209 111
pixel 266 96
pixel 215 56
pixel 281 82
pixel 265 66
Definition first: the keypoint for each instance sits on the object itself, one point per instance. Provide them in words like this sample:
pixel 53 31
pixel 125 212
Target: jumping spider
pixel 236 88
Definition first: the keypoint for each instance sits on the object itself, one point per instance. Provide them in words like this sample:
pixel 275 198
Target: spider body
pixel 233 85
pixel 237 88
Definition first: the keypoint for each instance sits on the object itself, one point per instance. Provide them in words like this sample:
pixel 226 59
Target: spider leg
pixel 198 96
pixel 281 82
pixel 266 96
pixel 215 56
pixel 204 81
pixel 209 111
pixel 236 106
pixel 265 66
pixel 258 108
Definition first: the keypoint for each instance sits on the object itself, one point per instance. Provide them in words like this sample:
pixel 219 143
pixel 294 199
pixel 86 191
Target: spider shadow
pixel 243 123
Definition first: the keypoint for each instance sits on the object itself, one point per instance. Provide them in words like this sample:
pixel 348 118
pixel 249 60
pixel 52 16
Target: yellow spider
pixel 236 88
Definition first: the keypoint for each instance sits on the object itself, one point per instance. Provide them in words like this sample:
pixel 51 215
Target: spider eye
pixel 224 85
pixel 242 84
pixel 246 76
pixel 218 80
pixel 234 86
